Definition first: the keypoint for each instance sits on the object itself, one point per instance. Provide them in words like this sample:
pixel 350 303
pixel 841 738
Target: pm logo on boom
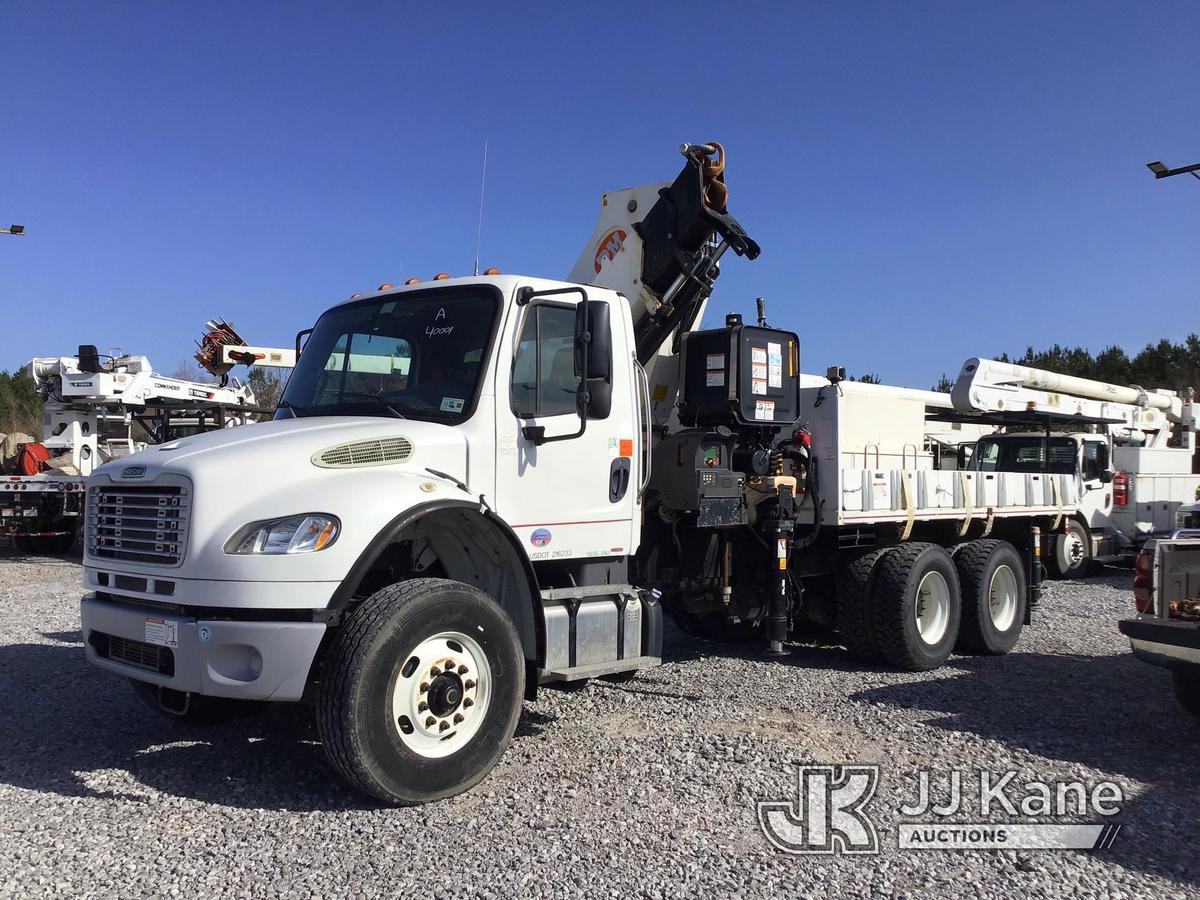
pixel 608 248
pixel 827 814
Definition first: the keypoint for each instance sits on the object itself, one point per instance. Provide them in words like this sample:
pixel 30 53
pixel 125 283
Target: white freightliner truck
pixel 1131 453
pixel 90 404
pixel 477 485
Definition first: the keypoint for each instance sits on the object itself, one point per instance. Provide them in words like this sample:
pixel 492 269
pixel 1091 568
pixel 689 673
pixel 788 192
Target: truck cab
pixel 1088 534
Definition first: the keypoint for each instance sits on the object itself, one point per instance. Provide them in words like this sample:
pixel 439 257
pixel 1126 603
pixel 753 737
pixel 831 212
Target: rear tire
pixel 421 691
pixel 1187 691
pixel 1071 553
pixel 23 544
pixel 993 596
pixel 916 607
pixel 854 614
pixel 201 710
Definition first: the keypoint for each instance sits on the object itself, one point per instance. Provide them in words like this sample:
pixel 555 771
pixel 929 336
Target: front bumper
pixel 216 657
pixel 1168 644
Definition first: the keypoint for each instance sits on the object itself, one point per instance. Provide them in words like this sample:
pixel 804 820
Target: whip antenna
pixel 479 224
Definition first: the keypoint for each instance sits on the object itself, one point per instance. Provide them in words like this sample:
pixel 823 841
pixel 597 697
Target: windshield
pixel 1025 454
pixel 419 356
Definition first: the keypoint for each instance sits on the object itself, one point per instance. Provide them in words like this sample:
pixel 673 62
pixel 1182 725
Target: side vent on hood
pixel 377 452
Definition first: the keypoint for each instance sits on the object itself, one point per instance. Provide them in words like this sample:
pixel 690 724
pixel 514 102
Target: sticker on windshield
pixel 452 404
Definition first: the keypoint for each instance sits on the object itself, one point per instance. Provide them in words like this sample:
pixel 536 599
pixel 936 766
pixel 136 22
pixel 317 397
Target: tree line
pixel 1162 365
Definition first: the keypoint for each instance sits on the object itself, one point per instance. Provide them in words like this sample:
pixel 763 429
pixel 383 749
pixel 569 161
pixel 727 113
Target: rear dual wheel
pixel 915 606
pixel 993 596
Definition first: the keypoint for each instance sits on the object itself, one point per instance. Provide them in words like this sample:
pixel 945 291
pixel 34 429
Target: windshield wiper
pixel 378 398
pixel 295 410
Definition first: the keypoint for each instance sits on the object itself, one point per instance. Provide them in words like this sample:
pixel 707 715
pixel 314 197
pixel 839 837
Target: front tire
pixel 421 691
pixel 1187 691
pixel 916 606
pixel 1072 552
pixel 993 596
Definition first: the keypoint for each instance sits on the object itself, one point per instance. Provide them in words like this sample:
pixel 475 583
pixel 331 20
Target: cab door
pixel 1096 499
pixel 566 494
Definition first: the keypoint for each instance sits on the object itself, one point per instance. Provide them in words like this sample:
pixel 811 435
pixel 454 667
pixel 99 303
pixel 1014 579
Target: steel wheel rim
pixel 1070 550
pixel 932 609
pixel 1002 597
pixel 441 694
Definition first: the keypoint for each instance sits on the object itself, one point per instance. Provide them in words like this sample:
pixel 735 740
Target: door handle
pixel 618 479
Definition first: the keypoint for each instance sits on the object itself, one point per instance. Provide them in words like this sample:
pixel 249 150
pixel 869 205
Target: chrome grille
pixel 143 523
pixel 374 452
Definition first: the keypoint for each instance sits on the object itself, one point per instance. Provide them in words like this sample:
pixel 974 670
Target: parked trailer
pixel 474 486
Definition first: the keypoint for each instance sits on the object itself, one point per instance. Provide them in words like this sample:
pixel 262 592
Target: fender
pixel 387 535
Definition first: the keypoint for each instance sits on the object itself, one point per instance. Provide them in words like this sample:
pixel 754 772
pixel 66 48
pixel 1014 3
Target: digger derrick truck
pixel 91 404
pixel 475 486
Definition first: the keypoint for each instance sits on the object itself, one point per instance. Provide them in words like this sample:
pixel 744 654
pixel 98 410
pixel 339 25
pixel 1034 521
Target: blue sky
pixel 928 181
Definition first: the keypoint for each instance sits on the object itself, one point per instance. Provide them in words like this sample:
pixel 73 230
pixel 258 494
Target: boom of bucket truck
pixel 1131 451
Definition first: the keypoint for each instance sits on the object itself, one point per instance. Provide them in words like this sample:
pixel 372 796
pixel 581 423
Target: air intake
pixel 378 452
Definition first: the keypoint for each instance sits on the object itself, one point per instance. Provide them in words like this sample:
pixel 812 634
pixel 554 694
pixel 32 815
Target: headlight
pixel 305 533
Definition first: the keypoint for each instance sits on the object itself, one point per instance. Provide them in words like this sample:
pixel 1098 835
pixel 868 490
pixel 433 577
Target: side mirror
pixel 1106 476
pixel 300 336
pixel 593 356
pixel 593 340
pixel 964 456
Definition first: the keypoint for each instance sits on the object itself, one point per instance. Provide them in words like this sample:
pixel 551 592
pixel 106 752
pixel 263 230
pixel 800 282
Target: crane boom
pixel 660 244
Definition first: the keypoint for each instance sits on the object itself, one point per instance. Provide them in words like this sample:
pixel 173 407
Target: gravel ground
pixel 644 789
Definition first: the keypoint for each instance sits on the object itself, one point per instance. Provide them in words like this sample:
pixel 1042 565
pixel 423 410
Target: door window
pixel 544 380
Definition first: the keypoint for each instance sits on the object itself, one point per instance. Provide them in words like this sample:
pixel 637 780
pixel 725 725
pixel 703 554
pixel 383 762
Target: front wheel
pixel 1071 553
pixel 421 691
pixel 1187 691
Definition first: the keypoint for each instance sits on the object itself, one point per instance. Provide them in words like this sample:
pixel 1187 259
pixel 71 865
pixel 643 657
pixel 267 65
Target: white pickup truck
pixel 1166 587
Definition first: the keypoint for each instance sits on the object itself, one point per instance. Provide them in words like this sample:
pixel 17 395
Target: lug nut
pixel 424 687
pixel 449 665
pixel 462 670
pixel 435 671
pixel 422 706
pixel 429 722
pixel 470 683
pixel 458 717
pixel 468 703
pixel 443 725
